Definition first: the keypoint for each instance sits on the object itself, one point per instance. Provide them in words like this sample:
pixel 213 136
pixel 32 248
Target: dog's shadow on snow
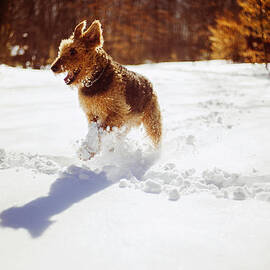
pixel 74 185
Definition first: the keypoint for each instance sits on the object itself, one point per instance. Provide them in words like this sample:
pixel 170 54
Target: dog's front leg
pixel 112 120
pixel 91 118
pixel 96 129
pixel 92 143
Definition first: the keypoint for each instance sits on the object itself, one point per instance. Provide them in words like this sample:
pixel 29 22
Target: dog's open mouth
pixel 71 76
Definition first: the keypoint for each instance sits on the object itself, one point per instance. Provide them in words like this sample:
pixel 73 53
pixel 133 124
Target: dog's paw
pixel 85 155
pixel 111 149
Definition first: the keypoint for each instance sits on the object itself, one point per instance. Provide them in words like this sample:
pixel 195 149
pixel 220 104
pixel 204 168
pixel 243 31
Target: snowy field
pixel 202 202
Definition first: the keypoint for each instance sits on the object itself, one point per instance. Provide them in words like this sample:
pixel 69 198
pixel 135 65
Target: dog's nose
pixel 54 68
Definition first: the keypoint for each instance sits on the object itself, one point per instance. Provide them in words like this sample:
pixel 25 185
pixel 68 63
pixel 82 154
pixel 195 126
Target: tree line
pixel 245 36
pixel 135 31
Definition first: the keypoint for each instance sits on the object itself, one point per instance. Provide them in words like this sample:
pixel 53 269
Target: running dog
pixel 109 94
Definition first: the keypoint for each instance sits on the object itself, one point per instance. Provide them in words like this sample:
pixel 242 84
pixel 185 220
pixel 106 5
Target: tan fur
pixel 109 94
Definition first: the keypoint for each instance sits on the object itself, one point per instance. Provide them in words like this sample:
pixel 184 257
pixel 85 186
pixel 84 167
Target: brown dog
pixel 109 94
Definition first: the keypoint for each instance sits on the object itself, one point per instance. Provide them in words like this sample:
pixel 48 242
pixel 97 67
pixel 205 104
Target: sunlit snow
pixel 200 202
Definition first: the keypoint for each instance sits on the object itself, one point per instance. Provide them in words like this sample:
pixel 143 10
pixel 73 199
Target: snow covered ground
pixel 202 202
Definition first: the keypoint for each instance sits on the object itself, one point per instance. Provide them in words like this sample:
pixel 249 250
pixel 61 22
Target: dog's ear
pixel 93 35
pixel 78 31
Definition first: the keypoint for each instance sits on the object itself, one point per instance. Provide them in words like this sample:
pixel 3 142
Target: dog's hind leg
pixel 152 121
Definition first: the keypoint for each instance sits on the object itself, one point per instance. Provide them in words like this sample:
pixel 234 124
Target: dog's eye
pixel 72 51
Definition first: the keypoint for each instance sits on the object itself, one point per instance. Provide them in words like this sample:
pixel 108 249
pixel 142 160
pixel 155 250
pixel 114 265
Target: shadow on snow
pixel 64 192
pixel 69 189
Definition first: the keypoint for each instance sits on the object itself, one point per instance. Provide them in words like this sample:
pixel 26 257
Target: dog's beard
pixel 71 76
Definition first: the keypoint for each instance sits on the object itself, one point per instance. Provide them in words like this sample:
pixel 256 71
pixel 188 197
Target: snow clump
pixel 151 186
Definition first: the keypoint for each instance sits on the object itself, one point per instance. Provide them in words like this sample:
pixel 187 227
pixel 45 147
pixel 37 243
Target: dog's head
pixel 76 55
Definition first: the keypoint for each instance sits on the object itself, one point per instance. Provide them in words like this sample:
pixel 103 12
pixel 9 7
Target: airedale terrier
pixel 109 94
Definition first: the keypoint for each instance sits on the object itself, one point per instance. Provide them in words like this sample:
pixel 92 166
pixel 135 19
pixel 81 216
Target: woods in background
pixel 245 37
pixel 137 31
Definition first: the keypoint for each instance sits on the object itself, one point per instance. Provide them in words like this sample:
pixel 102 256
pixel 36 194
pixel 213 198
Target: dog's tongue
pixel 69 78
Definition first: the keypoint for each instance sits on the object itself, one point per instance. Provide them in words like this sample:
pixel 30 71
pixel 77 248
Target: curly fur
pixel 109 93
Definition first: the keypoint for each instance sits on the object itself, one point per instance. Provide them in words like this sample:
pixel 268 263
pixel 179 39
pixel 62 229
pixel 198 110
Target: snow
pixel 201 202
pixel 152 186
pixel 174 194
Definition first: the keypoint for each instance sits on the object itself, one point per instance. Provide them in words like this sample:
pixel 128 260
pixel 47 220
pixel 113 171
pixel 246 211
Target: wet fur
pixel 115 97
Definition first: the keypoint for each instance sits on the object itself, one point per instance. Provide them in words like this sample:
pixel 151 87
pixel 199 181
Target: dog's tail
pixel 152 121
